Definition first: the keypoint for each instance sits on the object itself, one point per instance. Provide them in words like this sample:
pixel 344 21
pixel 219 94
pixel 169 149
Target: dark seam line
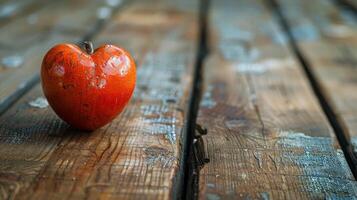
pixel 344 4
pixel 19 92
pixel 187 184
pixel 35 79
pixel 317 89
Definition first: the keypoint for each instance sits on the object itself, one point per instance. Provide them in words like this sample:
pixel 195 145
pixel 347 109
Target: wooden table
pixel 235 99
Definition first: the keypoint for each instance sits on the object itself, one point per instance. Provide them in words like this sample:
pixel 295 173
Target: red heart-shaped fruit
pixel 88 89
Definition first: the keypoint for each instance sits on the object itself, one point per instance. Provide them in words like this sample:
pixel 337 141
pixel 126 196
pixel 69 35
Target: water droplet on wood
pixel 32 19
pixel 39 102
pixel 113 3
pixel 8 10
pixel 104 12
pixel 12 61
pixel 263 66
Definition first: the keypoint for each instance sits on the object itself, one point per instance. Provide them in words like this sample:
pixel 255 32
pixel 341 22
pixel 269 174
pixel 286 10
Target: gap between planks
pixel 350 4
pixel 190 185
pixel 331 115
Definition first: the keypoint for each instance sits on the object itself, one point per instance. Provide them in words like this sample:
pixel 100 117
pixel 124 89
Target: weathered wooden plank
pixel 25 41
pixel 137 155
pixel 331 54
pixel 267 136
pixel 10 10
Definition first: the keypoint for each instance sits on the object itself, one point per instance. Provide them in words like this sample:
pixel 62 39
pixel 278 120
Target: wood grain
pixel 26 40
pixel 267 135
pixel 12 9
pixel 137 155
pixel 331 54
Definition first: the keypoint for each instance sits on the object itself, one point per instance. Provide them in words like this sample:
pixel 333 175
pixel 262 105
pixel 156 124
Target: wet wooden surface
pixel 268 135
pixel 330 48
pixel 138 154
pixel 28 37
pixel 11 9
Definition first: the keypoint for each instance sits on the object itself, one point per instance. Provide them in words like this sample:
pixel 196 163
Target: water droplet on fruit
pixel 39 102
pixel 117 65
pixel 87 63
pixel 102 83
pixel 124 67
pixel 12 61
pixel 58 70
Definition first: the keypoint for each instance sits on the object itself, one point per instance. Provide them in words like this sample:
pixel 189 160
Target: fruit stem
pixel 88 47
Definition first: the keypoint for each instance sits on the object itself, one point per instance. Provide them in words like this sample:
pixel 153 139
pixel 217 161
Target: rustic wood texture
pixel 26 40
pixel 267 135
pixel 12 9
pixel 327 38
pixel 137 155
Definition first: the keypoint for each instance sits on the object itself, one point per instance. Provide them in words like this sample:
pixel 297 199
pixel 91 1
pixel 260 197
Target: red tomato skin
pixel 88 90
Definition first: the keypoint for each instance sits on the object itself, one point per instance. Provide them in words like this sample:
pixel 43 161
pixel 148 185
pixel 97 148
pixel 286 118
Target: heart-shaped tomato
pixel 88 89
